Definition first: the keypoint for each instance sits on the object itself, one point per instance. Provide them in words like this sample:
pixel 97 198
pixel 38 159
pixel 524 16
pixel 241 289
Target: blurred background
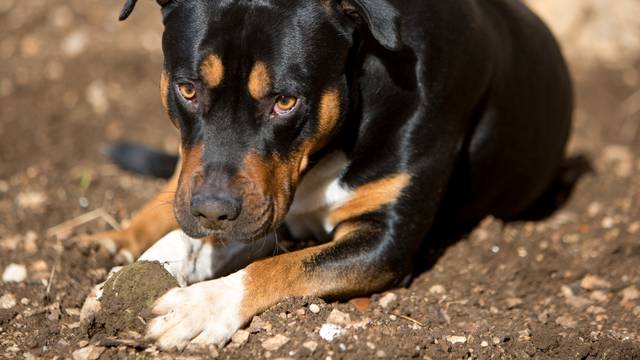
pixel 73 78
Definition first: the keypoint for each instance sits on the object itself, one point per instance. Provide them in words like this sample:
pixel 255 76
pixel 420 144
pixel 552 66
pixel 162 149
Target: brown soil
pixel 127 299
pixel 72 79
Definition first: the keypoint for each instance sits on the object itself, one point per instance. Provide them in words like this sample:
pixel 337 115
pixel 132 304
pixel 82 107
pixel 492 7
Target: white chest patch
pixel 319 192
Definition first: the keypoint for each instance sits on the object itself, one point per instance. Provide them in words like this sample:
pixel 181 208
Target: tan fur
pixel 259 81
pixel 212 70
pixel 164 89
pixel 370 197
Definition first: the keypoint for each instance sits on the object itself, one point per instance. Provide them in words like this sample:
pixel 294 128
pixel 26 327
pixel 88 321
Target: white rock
pixel 387 299
pixel 339 318
pixel 310 345
pixel 32 200
pixel 14 273
pixel 331 331
pixel 7 301
pixel 437 289
pixel 314 308
pixel 239 338
pixel 274 343
pixel 88 353
pixel 455 339
pixel 75 44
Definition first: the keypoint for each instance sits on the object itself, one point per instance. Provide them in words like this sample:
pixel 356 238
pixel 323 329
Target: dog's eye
pixel 188 91
pixel 284 105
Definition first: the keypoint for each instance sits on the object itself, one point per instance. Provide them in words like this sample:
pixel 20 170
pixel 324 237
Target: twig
pixel 410 319
pixel 53 272
pixel 83 219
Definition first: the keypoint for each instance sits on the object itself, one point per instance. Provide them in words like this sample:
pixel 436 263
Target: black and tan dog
pixel 365 123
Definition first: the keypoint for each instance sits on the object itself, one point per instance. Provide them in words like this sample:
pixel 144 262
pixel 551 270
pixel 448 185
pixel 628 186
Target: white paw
pixel 204 313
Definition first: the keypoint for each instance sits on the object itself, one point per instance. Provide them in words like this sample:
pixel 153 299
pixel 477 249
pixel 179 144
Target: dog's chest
pixel 318 193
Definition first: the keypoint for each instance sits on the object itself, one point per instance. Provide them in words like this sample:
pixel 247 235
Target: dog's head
pixel 256 87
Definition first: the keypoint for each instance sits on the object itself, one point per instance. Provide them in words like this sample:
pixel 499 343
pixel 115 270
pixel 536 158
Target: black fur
pixel 472 98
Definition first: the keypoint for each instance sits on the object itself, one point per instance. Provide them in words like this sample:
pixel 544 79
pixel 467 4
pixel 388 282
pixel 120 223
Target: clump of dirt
pixel 128 296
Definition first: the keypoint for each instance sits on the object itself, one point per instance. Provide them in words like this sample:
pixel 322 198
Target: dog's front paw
pixel 204 313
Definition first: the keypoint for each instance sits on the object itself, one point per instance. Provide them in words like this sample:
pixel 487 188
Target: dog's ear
pixel 129 5
pixel 380 17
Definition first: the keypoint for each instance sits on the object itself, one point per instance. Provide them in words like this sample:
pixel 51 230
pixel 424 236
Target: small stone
pixel 513 302
pixel 594 209
pixel 75 43
pixel 599 296
pixel 97 97
pixel 592 282
pixel 14 273
pixel 239 338
pixel 257 325
pixel 339 318
pixel 88 353
pixel 495 340
pixel 31 200
pixel 7 301
pixel 522 252
pixel 566 321
pixel 437 289
pixel 361 304
pixel 387 299
pixel 38 266
pixel 30 246
pixel 455 339
pixel 484 343
pixel 310 345
pixel 300 312
pixel 381 354
pixel 314 308
pixel 329 332
pixel 274 343
pixel 629 294
pixel 607 222
pixel 634 228
pixel 30 46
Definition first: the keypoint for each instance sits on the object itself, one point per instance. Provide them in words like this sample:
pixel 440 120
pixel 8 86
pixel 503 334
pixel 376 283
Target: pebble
pixel 566 321
pixel 455 339
pixel 629 294
pixel 361 304
pixel 381 353
pixel 599 296
pixel 314 308
pixel 634 228
pixel 31 200
pixel 75 43
pixel 484 343
pixel 592 282
pixel 7 301
pixel 257 325
pixel 513 302
pixel 387 299
pixel 97 97
pixel 437 289
pixel 90 352
pixel 274 343
pixel 239 338
pixel 339 318
pixel 329 332
pixel 14 273
pixel 310 345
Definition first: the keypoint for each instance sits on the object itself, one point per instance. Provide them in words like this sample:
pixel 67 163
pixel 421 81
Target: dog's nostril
pixel 215 210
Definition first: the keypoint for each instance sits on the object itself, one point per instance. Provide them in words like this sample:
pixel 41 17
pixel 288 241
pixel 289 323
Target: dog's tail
pixel 142 160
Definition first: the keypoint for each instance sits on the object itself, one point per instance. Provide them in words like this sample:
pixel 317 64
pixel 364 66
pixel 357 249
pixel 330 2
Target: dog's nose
pixel 213 210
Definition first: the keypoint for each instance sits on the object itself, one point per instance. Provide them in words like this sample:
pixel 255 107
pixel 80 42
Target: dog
pixel 369 125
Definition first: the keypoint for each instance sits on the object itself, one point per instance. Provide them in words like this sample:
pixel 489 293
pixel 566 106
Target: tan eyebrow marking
pixel 212 70
pixel 259 81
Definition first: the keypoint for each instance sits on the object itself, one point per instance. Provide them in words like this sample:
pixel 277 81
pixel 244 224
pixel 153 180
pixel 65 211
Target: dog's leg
pixel 152 222
pixel 361 259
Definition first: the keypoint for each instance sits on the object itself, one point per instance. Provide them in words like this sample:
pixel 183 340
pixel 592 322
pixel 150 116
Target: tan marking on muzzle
pixel 370 197
pixel 259 81
pixel 164 89
pixel 212 70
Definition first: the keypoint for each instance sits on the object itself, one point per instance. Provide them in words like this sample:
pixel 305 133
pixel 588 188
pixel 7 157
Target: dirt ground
pixel 73 79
